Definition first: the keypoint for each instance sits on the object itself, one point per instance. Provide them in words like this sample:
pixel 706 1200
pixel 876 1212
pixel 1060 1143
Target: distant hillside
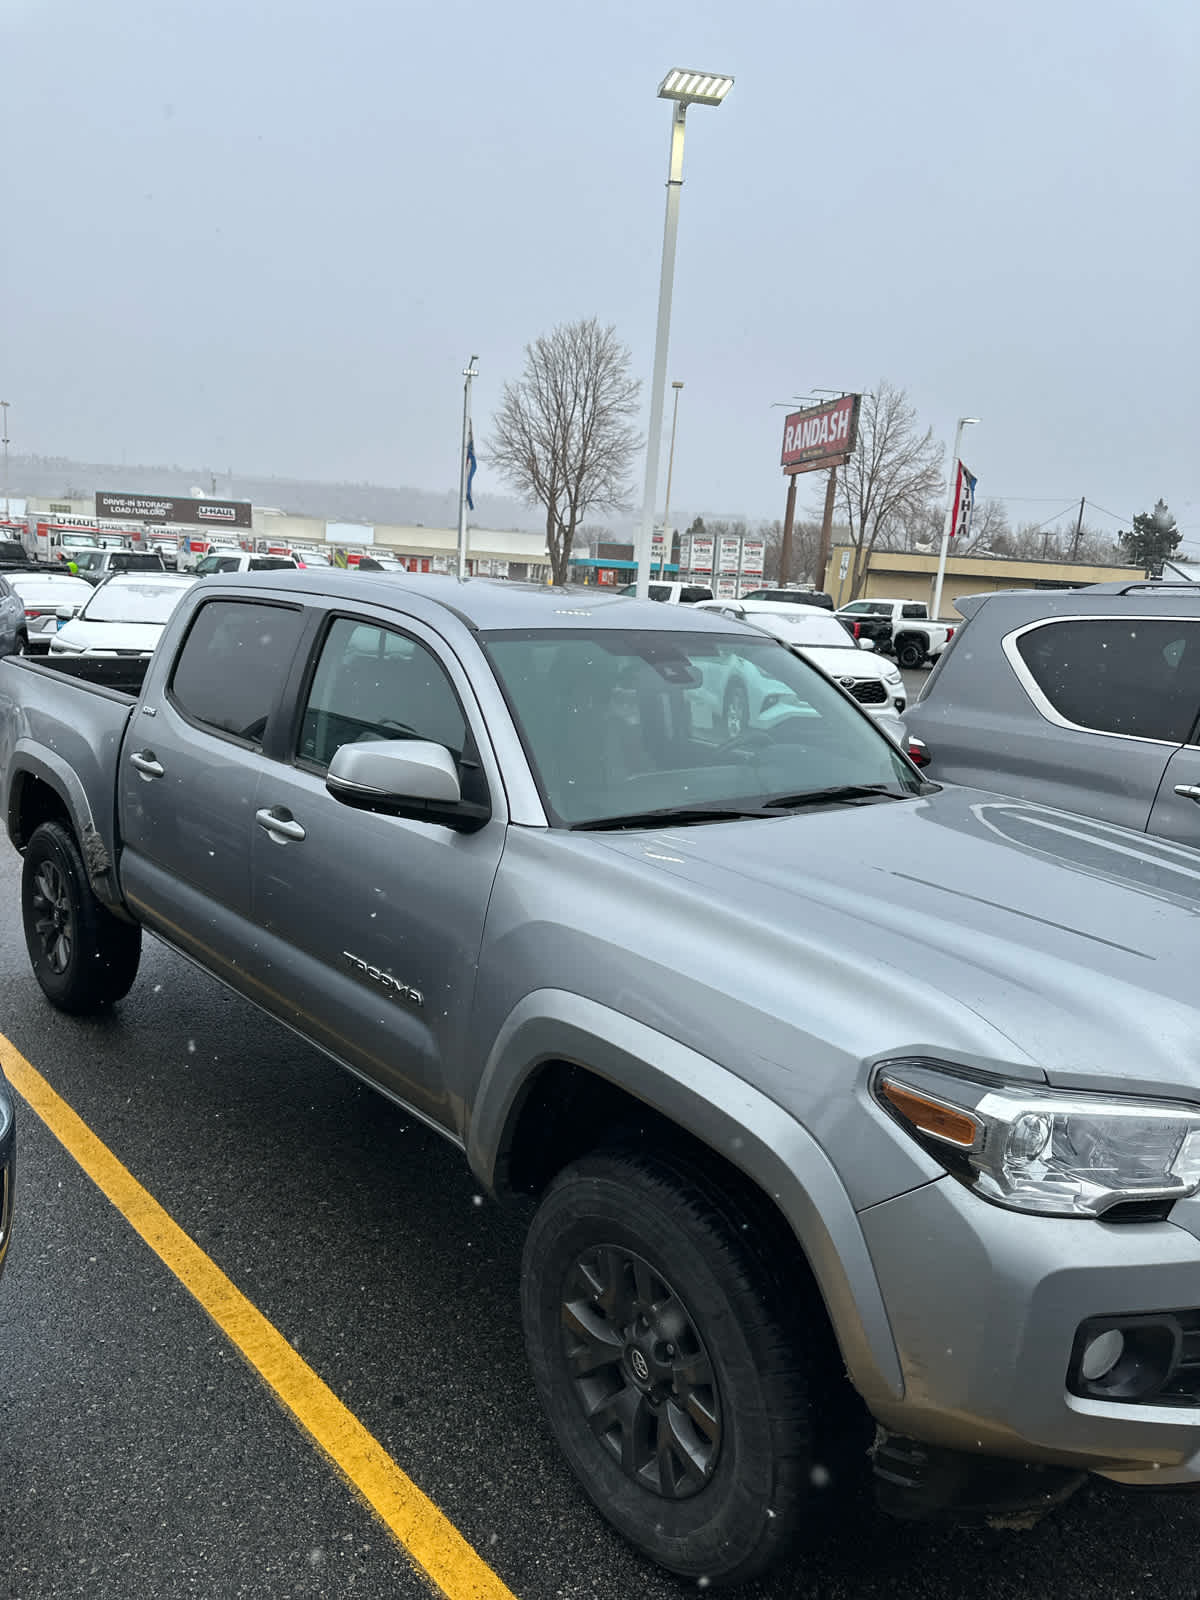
pixel 56 476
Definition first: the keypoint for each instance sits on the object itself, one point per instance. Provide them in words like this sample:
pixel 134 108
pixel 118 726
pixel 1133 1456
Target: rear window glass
pixel 1137 676
pixel 231 670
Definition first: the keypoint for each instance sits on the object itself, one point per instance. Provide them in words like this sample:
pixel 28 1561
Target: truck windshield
pixel 623 723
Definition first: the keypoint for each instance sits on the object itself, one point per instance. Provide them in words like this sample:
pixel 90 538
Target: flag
pixel 471 464
pixel 964 503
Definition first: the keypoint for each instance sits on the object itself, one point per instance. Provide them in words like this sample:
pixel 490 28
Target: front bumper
pixel 985 1305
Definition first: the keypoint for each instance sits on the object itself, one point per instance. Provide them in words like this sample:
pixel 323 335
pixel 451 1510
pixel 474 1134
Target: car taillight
pixel 949 634
pixel 30 613
pixel 918 752
pixel 858 630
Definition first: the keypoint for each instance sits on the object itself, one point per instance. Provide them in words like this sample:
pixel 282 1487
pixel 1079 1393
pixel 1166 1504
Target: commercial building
pixel 903 575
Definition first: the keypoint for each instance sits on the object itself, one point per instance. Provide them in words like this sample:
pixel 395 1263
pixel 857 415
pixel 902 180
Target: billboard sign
pixel 173 508
pixel 821 436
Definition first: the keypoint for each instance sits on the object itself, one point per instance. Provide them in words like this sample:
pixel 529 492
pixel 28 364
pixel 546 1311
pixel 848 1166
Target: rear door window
pixel 234 663
pixel 1138 676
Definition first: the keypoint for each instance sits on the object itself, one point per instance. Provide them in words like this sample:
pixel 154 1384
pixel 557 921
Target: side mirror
pixel 866 644
pixel 411 778
pixel 67 613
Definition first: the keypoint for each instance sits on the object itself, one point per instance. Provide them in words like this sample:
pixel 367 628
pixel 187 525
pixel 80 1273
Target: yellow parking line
pixel 428 1536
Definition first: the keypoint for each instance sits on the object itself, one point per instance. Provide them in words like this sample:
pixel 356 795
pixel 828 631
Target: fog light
pixel 1101 1354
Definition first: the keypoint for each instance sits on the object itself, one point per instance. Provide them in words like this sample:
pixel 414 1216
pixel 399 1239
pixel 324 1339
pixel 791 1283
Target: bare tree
pixel 894 472
pixel 562 436
pixel 989 528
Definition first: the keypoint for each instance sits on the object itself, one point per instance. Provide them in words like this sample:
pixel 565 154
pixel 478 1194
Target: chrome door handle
pixel 147 765
pixel 280 828
pixel 1188 791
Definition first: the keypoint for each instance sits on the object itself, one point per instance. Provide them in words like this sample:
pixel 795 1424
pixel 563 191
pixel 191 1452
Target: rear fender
pixel 34 763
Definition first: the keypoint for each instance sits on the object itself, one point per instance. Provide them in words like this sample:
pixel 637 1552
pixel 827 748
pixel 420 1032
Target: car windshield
pixel 133 602
pixel 209 564
pixel 618 724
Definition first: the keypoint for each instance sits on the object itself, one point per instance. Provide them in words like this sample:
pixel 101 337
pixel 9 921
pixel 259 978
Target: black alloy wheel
pixel 672 1362
pixel 642 1376
pixel 83 956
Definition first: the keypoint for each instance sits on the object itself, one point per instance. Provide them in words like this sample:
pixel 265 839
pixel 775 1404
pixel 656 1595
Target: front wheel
pixel 666 1367
pixel 910 653
pixel 82 956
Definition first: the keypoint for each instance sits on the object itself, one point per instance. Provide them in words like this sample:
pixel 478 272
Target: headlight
pixel 1045 1151
pixel 893 676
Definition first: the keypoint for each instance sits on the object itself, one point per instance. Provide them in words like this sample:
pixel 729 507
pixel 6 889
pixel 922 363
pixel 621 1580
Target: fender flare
pixel 35 761
pixel 723 1112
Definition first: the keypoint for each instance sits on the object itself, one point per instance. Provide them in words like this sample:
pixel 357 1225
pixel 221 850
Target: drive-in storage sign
pixel 821 436
pixel 174 508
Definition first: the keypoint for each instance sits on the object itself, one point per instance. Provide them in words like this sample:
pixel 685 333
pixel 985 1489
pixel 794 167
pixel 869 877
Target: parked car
pixel 46 592
pixel 902 628
pixel 793 594
pixel 1087 699
pixel 14 636
pixel 194 547
pixel 96 565
pixel 872 680
pixel 124 616
pixel 13 554
pixel 243 561
pixel 675 594
pixel 807 1070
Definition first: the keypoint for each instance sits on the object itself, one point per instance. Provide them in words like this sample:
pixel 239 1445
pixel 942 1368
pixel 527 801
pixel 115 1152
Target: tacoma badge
pixel 397 990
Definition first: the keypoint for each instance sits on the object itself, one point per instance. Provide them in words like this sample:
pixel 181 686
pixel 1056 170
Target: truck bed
pixel 73 712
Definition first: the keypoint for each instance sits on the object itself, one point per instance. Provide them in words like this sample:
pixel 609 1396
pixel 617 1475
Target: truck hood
pixel 1073 942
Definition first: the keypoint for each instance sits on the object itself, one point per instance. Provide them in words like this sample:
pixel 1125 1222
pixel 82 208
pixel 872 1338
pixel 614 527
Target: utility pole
pixel 1078 530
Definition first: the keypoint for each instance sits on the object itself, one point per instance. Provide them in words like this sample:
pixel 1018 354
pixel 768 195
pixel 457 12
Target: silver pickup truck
pixel 860 1117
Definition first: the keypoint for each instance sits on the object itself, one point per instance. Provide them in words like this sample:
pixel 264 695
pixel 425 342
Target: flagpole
pixel 951 498
pixel 469 372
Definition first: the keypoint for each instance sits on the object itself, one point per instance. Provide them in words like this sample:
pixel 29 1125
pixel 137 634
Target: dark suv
pixel 1087 699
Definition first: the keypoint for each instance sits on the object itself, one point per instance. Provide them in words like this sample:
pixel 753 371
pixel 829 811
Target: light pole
pixel 676 385
pixel 469 372
pixel 684 88
pixel 4 441
pixel 963 422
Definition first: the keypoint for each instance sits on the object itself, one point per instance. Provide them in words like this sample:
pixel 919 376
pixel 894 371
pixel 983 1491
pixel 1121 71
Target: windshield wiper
pixel 838 792
pixel 673 816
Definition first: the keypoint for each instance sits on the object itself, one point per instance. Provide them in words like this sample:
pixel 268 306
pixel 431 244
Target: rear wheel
pixel 82 956
pixel 22 644
pixel 910 653
pixel 669 1373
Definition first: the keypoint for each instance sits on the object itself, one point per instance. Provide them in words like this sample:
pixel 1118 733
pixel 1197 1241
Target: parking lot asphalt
pixel 142 1456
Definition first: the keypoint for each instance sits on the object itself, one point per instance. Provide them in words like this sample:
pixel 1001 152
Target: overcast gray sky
pixel 268 233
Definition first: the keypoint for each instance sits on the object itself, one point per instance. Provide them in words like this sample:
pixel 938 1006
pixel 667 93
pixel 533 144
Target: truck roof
pixel 484 604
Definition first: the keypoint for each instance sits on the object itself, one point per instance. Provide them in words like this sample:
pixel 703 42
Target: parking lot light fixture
pixel 685 88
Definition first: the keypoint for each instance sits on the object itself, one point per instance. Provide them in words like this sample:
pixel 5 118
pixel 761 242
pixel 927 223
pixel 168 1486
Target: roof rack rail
pixel 1184 585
